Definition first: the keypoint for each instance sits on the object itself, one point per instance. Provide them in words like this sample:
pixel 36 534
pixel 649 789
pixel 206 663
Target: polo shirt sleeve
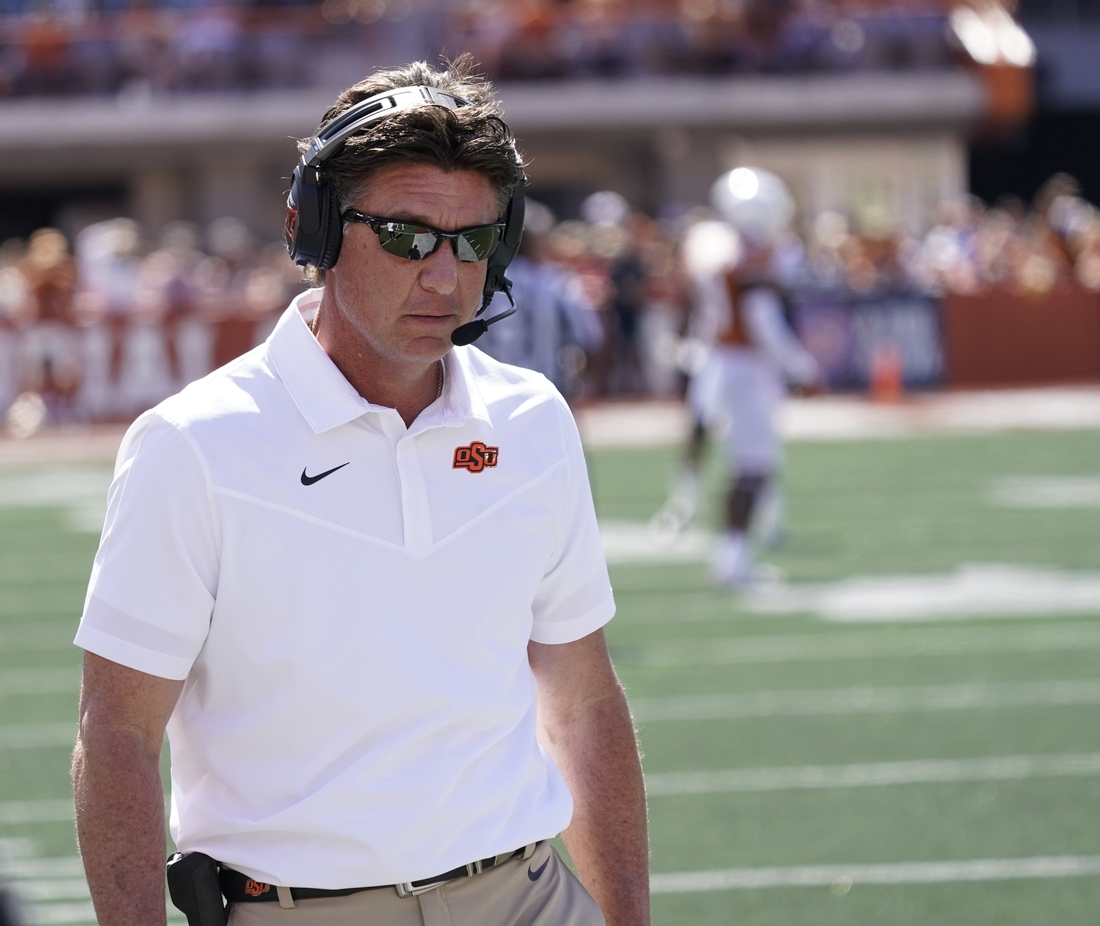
pixel 155 575
pixel 575 596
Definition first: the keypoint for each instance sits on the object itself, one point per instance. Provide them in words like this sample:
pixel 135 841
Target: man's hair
pixel 472 138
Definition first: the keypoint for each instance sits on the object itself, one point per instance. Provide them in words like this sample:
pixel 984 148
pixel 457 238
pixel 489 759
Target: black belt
pixel 239 888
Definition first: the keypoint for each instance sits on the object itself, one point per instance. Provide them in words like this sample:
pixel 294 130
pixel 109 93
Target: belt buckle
pixel 407 889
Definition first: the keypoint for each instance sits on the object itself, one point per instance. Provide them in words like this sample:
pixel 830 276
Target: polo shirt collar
pixel 461 397
pixel 327 400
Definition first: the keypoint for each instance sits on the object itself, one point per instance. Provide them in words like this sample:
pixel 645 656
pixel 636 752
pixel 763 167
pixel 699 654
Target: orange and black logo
pixel 291 221
pixel 475 457
pixel 256 888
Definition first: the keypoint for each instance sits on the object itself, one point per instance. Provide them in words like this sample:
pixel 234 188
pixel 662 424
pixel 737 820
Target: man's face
pixel 402 312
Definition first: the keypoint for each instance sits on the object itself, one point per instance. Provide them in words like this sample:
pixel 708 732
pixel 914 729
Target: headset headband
pixel 374 109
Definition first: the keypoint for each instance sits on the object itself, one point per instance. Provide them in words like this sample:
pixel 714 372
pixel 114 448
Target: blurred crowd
pixel 137 50
pixel 539 39
pixel 142 47
pixel 111 322
pixel 628 274
pixel 1052 244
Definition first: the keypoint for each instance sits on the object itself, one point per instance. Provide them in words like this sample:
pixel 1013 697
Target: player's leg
pixel 742 499
pixel 753 454
pixel 769 525
pixel 683 497
pixel 733 562
pixel 703 401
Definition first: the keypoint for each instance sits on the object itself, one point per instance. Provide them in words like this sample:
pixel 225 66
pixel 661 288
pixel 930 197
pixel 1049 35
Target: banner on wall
pixel 845 333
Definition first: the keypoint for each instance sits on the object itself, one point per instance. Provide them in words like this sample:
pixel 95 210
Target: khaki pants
pixel 506 895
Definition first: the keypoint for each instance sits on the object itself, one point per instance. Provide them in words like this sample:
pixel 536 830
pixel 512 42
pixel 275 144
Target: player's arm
pixel 769 330
pixel 585 725
pixel 117 786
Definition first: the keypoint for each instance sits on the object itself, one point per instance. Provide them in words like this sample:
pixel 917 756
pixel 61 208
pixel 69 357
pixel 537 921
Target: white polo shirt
pixel 350 603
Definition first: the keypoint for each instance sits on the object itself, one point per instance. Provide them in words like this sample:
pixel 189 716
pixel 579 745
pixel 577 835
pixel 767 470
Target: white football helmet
pixel 755 202
pixel 710 247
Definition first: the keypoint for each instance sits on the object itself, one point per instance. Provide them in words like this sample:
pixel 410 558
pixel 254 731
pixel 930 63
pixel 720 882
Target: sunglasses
pixel 414 241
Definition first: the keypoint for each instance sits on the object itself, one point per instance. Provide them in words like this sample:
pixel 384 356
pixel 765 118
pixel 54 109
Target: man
pixel 344 569
pixel 51 343
pixel 741 309
pixel 757 354
pixel 108 262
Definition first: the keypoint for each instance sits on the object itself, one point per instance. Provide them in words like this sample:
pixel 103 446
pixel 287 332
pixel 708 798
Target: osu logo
pixel 256 888
pixel 291 220
pixel 475 457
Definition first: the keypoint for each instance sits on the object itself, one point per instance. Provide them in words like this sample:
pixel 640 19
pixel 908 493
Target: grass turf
pixel 866 508
pixel 860 508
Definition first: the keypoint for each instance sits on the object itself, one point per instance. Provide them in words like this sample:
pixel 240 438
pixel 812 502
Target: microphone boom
pixel 471 331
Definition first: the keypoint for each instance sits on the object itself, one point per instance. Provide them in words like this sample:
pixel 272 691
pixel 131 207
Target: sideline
pixel 854 417
pixel 85 444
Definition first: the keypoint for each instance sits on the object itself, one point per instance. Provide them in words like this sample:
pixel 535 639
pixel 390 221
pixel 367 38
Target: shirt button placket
pixel 414 496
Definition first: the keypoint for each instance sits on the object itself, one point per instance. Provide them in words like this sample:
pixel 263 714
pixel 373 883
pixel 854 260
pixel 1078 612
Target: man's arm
pixel 119 798
pixel 585 725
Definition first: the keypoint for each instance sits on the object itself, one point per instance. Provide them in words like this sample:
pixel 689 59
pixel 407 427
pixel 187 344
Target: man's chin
pixel 431 347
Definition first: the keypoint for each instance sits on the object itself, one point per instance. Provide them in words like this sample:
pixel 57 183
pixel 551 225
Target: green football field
pixel 904 729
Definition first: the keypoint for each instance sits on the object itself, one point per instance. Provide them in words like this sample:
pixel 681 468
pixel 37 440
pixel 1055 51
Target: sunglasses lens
pixel 413 242
pixel 416 242
pixel 478 243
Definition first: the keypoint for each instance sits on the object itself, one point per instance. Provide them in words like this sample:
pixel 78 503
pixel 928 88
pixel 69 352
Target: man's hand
pixel 585 725
pixel 119 798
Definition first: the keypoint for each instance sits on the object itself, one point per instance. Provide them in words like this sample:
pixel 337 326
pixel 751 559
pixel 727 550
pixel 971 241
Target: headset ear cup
pixel 332 231
pixel 307 217
pixel 506 250
pixel 291 226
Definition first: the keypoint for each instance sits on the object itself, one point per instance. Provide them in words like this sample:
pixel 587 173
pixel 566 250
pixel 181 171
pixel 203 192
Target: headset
pixel 314 229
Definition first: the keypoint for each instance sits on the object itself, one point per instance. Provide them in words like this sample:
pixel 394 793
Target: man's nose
pixel 439 271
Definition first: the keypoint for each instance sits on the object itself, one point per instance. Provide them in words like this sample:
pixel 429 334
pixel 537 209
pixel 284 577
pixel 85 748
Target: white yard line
pixel 872 774
pixel 37 635
pixel 42 811
pixel 72 914
pixel 844 876
pixel 822 647
pixel 1076 493
pixel 973 590
pixel 88 444
pixel 69 914
pixel 864 699
pixel 52 889
pixel 44 680
pixel 868 700
pixel 852 417
pixel 48 887
pixel 32 869
pixel 782 778
pixel 36 735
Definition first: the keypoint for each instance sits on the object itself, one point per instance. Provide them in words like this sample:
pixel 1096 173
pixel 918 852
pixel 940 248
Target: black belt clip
pixel 193 887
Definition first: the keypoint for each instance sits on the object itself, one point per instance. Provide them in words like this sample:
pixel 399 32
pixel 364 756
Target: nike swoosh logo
pixel 309 480
pixel 537 873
